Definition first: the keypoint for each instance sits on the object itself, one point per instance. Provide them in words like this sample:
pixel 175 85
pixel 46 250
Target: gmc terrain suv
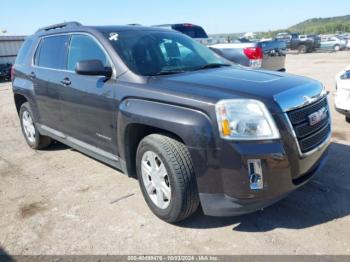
pixel 157 105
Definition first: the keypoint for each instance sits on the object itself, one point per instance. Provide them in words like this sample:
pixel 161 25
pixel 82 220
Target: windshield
pixel 159 52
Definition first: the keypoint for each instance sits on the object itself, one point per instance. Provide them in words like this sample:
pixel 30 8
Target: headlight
pixel 245 119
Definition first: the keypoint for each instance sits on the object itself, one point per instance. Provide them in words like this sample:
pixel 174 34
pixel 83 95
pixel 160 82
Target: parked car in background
pixel 194 31
pixel 269 55
pixel 302 43
pixel 161 107
pixel 5 72
pixel 342 95
pixel 333 43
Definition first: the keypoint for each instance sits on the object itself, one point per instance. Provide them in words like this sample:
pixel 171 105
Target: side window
pixel 52 52
pixel 83 47
pixel 24 52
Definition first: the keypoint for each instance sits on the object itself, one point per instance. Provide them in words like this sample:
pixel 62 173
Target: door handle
pixel 66 81
pixel 32 75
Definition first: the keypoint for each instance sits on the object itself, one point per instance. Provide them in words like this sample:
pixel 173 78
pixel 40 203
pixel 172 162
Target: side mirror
pixel 93 68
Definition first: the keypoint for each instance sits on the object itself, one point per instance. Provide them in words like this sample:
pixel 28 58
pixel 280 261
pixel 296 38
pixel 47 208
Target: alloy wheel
pixel 156 179
pixel 28 126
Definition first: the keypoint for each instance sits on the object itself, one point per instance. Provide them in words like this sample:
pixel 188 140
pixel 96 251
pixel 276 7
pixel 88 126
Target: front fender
pixel 192 126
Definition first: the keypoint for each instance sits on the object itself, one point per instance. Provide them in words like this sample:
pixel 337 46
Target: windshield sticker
pixel 113 37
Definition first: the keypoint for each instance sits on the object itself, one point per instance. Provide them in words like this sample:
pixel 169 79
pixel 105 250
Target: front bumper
pixel 224 185
pixel 224 178
pixel 342 101
pixel 343 111
pixel 278 184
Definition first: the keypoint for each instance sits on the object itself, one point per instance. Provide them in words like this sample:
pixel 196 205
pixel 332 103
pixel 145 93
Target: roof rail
pixel 59 26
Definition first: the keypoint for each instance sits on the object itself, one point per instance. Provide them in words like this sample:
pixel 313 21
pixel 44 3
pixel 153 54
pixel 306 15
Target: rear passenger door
pixel 48 71
pixel 88 105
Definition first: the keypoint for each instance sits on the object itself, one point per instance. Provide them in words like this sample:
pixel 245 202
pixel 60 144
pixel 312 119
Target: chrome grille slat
pixel 310 142
pixel 304 129
pixel 299 115
pixel 310 137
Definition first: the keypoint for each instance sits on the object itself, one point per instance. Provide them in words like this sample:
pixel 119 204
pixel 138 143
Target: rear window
pixel 52 52
pixel 24 52
pixel 191 31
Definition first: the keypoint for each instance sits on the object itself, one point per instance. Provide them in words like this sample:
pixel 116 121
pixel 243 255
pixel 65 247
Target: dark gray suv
pixel 155 104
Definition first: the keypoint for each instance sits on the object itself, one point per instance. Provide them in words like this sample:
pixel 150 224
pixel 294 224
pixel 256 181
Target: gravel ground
pixel 59 201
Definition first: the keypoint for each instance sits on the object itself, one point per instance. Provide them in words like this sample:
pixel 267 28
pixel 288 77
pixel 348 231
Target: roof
pixel 119 28
pixel 76 26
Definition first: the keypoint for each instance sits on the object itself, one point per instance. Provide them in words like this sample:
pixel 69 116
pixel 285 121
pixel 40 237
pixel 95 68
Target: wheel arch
pixel 19 101
pixel 22 96
pixel 134 133
pixel 139 118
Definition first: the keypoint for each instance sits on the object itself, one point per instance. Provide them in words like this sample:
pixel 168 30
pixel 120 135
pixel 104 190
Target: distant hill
pixel 328 25
pixel 323 25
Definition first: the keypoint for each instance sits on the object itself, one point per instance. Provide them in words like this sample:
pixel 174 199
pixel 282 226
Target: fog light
pixel 256 181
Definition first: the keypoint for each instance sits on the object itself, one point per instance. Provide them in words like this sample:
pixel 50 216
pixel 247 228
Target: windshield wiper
pixel 168 72
pixel 212 65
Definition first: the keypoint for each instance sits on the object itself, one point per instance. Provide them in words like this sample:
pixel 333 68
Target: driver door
pixel 88 104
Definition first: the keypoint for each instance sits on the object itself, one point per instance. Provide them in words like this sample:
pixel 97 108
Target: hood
pixel 238 82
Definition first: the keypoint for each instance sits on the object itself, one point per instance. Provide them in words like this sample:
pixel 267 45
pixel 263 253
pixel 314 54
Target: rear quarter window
pixel 24 52
pixel 52 52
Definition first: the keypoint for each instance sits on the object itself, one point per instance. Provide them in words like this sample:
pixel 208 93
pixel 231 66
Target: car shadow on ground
pixel 56 146
pixel 4 256
pixel 322 200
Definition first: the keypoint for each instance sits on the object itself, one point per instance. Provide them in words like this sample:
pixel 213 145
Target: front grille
pixel 310 136
pixel 300 115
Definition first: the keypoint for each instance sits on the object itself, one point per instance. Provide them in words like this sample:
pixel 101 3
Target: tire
pixel 336 48
pixel 29 129
pixel 302 49
pixel 180 179
pixel 347 119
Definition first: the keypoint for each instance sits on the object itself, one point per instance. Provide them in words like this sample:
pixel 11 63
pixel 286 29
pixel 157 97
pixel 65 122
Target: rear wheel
pixel 347 119
pixel 302 49
pixel 336 48
pixel 166 177
pixel 29 130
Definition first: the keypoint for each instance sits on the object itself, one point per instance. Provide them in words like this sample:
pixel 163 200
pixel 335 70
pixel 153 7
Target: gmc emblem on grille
pixel 318 116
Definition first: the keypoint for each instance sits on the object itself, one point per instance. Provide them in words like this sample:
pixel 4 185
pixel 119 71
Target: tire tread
pixel 42 141
pixel 180 159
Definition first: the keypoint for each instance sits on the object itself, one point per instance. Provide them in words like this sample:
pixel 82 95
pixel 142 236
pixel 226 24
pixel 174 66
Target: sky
pixel 24 17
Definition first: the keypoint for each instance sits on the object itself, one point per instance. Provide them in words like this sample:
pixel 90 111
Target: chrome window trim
pixel 70 34
pixel 319 147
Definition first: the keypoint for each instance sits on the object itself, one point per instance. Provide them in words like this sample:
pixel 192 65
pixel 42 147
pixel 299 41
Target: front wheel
pixel 347 119
pixel 29 130
pixel 166 177
pixel 336 48
pixel 302 49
